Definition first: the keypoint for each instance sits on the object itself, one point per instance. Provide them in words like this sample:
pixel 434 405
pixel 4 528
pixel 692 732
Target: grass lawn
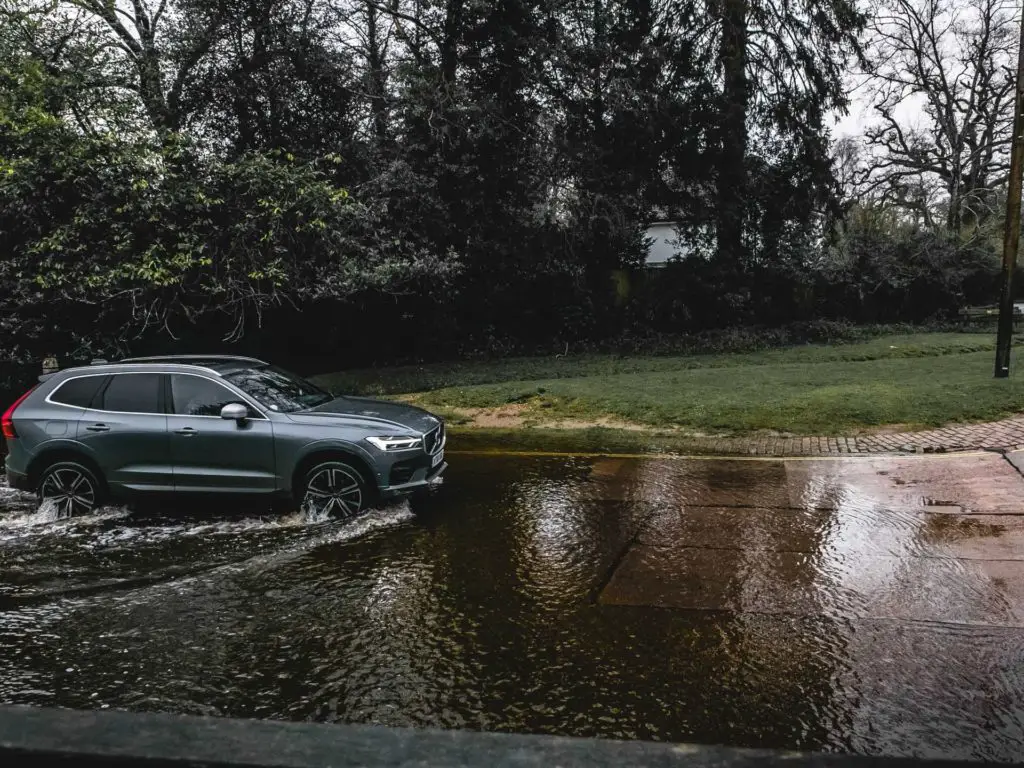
pixel 913 380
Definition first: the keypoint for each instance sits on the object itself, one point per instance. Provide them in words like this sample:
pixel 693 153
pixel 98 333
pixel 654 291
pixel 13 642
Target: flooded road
pixel 863 605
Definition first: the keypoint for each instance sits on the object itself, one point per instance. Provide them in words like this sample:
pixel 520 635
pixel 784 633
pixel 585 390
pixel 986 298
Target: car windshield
pixel 277 389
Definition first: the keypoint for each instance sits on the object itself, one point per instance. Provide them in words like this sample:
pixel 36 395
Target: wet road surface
pixel 864 605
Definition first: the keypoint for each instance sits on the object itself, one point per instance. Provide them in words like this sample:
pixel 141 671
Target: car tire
pixel 333 490
pixel 73 488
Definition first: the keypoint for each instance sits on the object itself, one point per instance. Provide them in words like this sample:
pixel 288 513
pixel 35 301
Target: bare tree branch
pixel 951 61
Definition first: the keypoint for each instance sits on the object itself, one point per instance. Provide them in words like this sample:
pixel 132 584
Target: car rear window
pixel 132 393
pixel 78 392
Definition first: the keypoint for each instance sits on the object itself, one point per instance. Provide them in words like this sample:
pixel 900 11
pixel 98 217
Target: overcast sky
pixel 861 114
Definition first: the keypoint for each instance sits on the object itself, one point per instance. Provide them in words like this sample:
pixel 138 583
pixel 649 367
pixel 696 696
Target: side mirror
pixel 234 412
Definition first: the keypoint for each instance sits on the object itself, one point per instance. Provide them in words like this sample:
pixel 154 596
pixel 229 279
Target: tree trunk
pixel 597 89
pixel 448 130
pixel 732 173
pixel 377 79
pixel 450 42
pixel 152 92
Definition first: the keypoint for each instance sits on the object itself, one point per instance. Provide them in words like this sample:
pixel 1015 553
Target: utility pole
pixel 1011 233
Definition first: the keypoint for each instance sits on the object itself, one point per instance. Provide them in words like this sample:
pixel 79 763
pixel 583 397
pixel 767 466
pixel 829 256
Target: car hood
pixel 369 411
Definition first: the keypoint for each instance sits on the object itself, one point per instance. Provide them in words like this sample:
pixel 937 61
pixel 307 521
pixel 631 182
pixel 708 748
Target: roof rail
pixel 192 359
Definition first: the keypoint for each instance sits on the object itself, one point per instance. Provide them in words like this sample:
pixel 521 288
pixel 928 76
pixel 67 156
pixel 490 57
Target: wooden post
pixel 1011 233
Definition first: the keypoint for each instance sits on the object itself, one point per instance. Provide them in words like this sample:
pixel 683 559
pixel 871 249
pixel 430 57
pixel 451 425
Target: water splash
pixel 47 512
pixel 309 514
pixel 30 518
pixel 19 511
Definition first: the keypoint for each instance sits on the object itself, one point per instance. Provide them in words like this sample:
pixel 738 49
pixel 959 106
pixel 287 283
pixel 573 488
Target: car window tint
pixel 196 396
pixel 78 392
pixel 133 393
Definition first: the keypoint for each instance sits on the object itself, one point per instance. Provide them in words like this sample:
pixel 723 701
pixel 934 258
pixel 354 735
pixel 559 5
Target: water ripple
pixel 740 603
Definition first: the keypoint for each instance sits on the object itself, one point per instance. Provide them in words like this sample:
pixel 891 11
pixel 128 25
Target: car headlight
pixel 392 443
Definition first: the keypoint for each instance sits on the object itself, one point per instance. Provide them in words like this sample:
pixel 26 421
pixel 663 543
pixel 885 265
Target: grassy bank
pixel 915 381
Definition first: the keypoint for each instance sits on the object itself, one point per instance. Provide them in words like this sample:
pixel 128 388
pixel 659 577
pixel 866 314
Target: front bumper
pixel 431 482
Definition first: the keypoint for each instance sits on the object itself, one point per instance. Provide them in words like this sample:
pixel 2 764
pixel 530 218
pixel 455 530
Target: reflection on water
pixel 814 605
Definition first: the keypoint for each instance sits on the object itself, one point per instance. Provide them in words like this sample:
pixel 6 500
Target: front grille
pixel 433 441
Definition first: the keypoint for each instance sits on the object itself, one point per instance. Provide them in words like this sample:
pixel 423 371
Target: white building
pixel 665 245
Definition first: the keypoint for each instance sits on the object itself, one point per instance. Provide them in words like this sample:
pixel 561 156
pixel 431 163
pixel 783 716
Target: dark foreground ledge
pixel 37 737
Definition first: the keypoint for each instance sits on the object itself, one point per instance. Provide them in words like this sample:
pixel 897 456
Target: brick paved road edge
pixel 1005 435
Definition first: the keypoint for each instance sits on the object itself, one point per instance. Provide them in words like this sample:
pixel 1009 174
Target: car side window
pixel 196 396
pixel 78 392
pixel 132 393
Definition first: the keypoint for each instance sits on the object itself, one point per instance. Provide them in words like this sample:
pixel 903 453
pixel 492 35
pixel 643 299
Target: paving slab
pixel 976 592
pixel 675 482
pixel 1016 458
pixel 864 529
pixel 975 483
pixel 937 539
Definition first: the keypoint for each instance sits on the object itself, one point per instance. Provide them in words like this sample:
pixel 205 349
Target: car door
pixel 212 454
pixel 125 430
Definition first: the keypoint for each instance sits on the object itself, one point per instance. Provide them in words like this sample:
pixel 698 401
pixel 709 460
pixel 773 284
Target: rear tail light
pixel 7 420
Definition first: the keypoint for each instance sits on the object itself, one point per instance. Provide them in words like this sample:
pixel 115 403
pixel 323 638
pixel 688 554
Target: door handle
pixel 98 428
pixel 186 431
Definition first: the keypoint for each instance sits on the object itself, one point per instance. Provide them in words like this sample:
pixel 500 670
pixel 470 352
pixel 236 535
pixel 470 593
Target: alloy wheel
pixel 333 490
pixel 71 491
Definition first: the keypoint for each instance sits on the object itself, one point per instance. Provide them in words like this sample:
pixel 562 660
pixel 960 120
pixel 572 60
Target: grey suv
pixel 214 424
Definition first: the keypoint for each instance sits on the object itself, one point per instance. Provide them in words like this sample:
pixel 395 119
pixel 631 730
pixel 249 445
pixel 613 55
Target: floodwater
pixel 864 605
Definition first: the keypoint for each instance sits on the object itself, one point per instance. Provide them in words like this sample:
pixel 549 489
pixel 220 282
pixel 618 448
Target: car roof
pixel 219 364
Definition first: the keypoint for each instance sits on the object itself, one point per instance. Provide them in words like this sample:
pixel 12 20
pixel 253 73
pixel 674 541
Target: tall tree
pixel 733 140
pixel 626 96
pixel 83 76
pixel 942 75
pixel 274 80
pixel 782 66
pixel 159 58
